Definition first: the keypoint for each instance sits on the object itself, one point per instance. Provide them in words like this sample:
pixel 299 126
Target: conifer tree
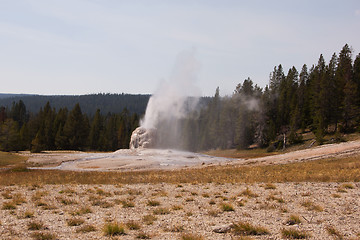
pixel 95 131
pixel 302 103
pixel 9 136
pixel 347 95
pixel 357 74
pixel 38 144
pixel 18 113
pixel 76 129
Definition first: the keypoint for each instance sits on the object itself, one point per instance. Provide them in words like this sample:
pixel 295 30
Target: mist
pixel 174 99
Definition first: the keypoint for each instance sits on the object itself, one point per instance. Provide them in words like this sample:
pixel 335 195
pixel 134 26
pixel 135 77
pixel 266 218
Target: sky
pixel 118 46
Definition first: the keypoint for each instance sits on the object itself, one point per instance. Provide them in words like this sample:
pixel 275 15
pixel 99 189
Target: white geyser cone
pixel 142 138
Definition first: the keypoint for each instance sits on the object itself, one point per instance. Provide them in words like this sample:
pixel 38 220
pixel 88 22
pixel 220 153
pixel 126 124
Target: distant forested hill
pixel 114 103
pixel 8 95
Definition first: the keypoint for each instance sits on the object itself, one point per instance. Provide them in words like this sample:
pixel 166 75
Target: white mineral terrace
pixel 124 159
pixel 146 159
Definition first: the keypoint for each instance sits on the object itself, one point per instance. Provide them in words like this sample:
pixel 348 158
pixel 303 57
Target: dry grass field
pixel 8 159
pixel 345 169
pixel 304 200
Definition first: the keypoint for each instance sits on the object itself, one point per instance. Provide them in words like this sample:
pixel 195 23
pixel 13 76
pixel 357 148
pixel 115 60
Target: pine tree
pixel 25 137
pixel 76 129
pixel 330 101
pixel 38 144
pixel 317 95
pixel 61 141
pixel 303 105
pixel 95 131
pixel 346 87
pixel 356 75
pixel 9 136
pixel 18 113
pixel 48 121
pixel 214 120
pixel 356 78
pixel 3 115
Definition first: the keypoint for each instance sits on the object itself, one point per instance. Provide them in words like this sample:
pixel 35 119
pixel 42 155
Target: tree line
pixel 324 99
pixel 114 103
pixel 63 129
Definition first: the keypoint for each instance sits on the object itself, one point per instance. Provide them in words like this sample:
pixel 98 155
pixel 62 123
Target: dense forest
pixel 63 129
pixel 324 99
pixel 114 103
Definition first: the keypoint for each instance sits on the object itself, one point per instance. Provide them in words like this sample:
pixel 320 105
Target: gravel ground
pixel 322 208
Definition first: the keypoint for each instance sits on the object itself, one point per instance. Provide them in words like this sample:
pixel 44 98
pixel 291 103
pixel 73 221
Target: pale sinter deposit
pixel 143 138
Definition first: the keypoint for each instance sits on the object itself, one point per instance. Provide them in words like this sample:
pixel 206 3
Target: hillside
pixel 9 95
pixel 114 103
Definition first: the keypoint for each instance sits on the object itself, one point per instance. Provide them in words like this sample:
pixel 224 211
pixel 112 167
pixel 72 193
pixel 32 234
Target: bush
pixel 75 221
pixel 153 203
pixel 86 228
pixel 294 234
pixel 35 226
pixel 9 206
pixel 132 225
pixel 161 211
pixel 189 236
pixel 270 148
pixel 43 236
pixel 293 219
pixel 149 219
pixel 244 228
pixel 114 229
pixel 227 207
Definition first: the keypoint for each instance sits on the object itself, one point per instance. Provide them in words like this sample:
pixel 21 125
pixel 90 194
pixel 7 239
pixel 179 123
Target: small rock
pixel 222 229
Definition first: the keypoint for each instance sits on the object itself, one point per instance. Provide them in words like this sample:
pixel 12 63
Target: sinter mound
pixel 143 138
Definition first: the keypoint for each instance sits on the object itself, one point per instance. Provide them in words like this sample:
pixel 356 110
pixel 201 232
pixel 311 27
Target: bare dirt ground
pixel 144 159
pixel 170 211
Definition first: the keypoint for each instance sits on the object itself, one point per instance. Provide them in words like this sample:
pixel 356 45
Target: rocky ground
pixel 181 211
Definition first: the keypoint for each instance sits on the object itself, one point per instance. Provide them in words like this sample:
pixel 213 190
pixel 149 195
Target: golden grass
pixel 233 153
pixel 245 228
pixel 293 233
pixel 11 159
pixel 326 170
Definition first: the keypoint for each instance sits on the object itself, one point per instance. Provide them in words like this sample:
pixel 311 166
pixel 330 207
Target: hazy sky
pixel 115 46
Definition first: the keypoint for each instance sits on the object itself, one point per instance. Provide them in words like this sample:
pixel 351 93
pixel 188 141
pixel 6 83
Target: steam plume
pixel 174 98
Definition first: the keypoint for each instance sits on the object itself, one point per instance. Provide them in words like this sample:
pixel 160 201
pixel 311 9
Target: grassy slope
pixel 308 140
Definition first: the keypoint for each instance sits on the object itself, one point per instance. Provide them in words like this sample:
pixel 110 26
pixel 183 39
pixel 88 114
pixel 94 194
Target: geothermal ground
pixel 312 193
pixel 150 159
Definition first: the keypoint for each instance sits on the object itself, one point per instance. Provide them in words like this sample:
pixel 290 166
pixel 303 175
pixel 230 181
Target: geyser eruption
pixel 170 103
